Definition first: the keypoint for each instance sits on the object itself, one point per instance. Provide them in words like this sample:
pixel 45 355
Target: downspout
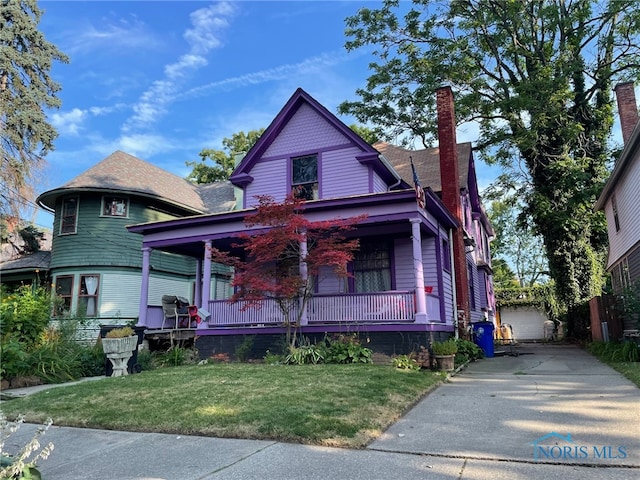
pixel 453 286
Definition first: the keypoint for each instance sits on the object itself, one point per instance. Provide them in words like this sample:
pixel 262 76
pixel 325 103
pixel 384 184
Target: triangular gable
pixel 302 100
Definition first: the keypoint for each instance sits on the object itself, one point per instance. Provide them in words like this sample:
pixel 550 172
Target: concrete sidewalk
pixel 490 421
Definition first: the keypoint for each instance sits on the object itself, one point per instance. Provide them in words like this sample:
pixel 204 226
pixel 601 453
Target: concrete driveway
pixel 551 404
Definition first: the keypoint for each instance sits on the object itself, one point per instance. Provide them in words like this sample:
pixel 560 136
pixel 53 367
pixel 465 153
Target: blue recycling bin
pixel 483 337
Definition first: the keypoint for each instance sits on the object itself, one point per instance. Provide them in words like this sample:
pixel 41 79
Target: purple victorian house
pixel 405 288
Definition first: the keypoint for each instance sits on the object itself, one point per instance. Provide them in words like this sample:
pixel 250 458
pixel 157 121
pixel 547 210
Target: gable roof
pixel 121 172
pixel 427 163
pixel 240 176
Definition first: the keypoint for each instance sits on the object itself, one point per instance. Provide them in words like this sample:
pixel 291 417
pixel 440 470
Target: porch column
pixel 206 277
pixel 304 275
pixel 418 270
pixel 198 286
pixel 144 288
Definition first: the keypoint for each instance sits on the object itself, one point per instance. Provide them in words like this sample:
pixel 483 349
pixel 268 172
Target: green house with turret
pixel 95 264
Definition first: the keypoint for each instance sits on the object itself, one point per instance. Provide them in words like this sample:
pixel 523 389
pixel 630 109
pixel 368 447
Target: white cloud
pixel 69 123
pixel 207 24
pixel 287 71
pixel 142 145
pixel 112 34
pixel 73 121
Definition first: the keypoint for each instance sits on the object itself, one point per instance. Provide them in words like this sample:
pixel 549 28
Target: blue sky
pixel 163 80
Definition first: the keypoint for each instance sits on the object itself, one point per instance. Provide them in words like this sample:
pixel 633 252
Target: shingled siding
pixel 340 174
pixel 104 241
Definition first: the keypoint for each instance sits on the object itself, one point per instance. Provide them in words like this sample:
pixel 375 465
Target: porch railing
pixel 327 309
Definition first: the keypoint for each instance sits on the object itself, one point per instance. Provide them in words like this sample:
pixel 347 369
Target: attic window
pixel 115 206
pixel 305 177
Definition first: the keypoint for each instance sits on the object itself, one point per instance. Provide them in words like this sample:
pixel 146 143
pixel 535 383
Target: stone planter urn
pixel 445 363
pixel 119 351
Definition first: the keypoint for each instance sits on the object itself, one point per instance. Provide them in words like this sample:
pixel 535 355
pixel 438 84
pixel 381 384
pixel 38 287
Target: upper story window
pixel 115 206
pixel 304 179
pixel 69 216
pixel 614 207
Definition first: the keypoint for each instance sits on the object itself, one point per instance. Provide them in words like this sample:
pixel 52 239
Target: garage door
pixel 527 324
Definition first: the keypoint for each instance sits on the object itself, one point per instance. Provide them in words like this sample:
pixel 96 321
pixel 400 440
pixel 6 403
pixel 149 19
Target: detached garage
pixel 526 322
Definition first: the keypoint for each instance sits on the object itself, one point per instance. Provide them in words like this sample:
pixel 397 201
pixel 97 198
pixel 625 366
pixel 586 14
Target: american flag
pixel 420 197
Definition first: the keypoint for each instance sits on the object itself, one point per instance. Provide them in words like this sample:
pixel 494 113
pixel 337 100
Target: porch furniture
pixel 175 309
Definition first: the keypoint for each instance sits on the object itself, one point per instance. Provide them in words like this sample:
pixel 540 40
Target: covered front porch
pixel 416 294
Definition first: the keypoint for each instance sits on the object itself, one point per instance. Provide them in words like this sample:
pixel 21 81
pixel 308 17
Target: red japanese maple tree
pixel 282 253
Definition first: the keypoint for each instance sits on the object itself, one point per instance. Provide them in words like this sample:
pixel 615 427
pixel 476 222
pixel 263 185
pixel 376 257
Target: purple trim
pixel 298 98
pixel 320 158
pixel 372 160
pixel 303 153
pixel 289 174
pixel 439 259
pixel 438 210
pixel 242 180
pixel 333 204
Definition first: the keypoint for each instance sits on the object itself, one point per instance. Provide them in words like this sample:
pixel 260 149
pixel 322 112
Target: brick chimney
pixel 449 178
pixel 627 109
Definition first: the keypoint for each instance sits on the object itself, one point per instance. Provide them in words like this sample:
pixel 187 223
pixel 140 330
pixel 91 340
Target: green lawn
pixel 336 405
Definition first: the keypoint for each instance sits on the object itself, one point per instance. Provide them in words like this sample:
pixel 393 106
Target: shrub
pixel 176 356
pixel 448 347
pixel 468 351
pixel 406 362
pixel 92 361
pixel 303 355
pixel 273 358
pixel 345 349
pixel 25 314
pixel 243 351
pixel 14 359
pixel 146 360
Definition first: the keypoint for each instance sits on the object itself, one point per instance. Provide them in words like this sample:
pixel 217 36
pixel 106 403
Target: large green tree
pixel 26 92
pixel 224 161
pixel 537 76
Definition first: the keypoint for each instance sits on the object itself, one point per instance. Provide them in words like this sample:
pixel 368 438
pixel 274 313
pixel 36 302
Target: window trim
pixel 104 207
pixel 69 296
pixel 614 208
pixel 446 255
pixel 63 216
pixel 82 296
pixel 316 183
pixel 472 286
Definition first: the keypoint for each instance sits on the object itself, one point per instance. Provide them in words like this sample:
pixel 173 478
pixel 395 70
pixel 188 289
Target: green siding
pixel 105 241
